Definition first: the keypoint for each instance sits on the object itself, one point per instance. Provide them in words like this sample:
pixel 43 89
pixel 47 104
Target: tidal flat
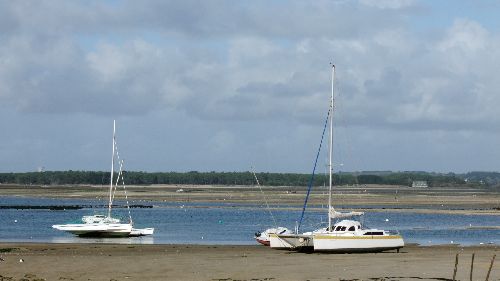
pixel 456 200
pixel 203 262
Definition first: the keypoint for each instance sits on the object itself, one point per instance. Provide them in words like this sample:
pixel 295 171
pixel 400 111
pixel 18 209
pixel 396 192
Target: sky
pixel 230 85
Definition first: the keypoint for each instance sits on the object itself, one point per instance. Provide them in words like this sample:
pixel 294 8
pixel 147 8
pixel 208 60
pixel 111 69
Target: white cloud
pixel 465 35
pixel 251 64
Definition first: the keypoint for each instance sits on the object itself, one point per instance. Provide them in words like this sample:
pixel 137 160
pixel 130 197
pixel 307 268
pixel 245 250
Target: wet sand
pixel 195 262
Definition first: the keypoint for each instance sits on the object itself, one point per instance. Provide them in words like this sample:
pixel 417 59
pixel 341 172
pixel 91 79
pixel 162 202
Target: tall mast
pixel 330 166
pixel 112 172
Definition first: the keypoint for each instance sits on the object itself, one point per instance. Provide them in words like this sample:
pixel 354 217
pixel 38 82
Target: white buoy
pixel 386 219
pixel 15 221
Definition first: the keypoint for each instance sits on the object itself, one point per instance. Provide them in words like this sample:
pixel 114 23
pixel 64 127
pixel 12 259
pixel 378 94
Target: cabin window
pixel 343 228
pixel 338 228
pixel 352 228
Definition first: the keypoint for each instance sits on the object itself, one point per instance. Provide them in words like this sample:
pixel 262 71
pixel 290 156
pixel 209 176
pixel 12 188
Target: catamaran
pixel 349 235
pixel 106 225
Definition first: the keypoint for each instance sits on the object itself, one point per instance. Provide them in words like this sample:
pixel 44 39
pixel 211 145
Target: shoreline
pixel 445 200
pixel 41 261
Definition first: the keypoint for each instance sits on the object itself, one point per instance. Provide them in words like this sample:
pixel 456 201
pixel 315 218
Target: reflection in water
pixel 131 240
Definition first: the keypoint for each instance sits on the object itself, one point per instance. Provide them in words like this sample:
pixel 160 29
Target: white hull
pixel 97 229
pixel 329 242
pixel 291 241
pixel 141 231
pixel 263 237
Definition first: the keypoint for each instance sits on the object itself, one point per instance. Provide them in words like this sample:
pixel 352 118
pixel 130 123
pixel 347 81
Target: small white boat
pixel 141 231
pixel 348 235
pixel 106 226
pixel 264 237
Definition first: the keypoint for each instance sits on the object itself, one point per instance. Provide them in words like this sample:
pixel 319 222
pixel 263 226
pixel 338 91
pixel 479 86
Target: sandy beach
pixel 198 262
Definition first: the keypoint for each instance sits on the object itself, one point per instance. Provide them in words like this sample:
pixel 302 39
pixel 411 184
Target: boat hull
pixel 264 242
pixel 356 243
pixel 141 232
pixel 96 230
pixel 264 237
pixel 291 241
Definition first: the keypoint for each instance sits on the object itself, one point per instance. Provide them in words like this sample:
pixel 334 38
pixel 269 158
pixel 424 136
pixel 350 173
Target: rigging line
pixel 346 136
pixel 119 171
pixel 120 176
pixel 309 187
pixel 125 191
pixel 265 199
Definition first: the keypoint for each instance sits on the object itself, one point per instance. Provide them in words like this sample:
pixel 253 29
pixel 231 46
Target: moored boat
pixel 106 225
pixel 135 232
pixel 264 237
pixel 349 235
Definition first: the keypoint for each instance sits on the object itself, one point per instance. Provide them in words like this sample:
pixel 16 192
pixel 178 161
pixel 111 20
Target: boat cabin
pixel 99 219
pixel 354 228
pixel 346 226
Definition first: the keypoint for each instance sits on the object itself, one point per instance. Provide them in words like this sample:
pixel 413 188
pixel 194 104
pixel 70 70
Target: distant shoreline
pixel 371 198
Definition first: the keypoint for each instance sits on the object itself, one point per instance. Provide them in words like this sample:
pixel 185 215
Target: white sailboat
pixel 106 225
pixel 264 236
pixel 349 235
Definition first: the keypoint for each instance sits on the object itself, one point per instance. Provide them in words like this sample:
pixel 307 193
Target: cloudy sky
pixel 226 85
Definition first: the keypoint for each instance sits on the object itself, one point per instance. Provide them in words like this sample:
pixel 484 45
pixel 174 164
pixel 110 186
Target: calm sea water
pixel 228 223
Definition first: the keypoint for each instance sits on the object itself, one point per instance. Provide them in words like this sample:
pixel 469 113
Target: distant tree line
pixel 483 178
pixel 233 178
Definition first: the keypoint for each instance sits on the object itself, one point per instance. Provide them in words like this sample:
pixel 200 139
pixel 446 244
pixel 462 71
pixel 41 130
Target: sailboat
pixel 264 236
pixel 349 235
pixel 106 225
pixel 300 241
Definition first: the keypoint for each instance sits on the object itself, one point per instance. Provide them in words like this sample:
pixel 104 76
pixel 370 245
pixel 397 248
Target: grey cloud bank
pixel 224 85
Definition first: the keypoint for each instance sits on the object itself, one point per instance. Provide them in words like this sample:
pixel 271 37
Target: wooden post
pixel 455 270
pixel 472 266
pixel 491 265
